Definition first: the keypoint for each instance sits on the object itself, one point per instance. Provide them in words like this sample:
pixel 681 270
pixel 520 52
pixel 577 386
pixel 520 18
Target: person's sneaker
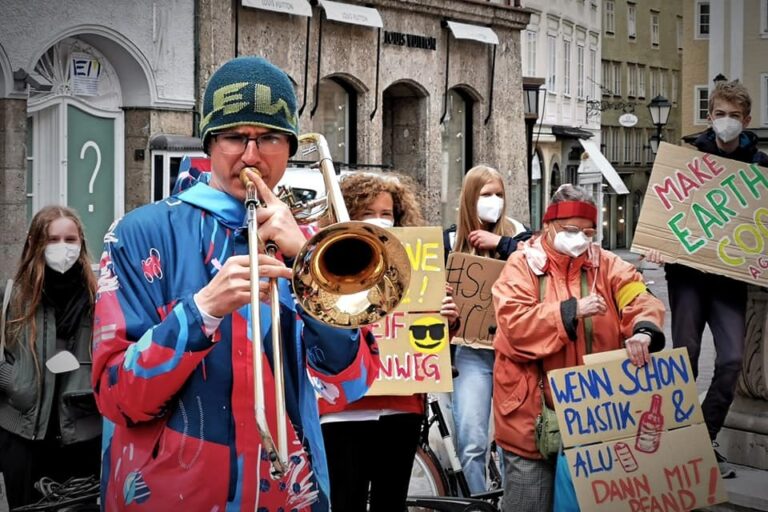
pixel 726 471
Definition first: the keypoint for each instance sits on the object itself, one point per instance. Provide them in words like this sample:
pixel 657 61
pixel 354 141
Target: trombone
pixel 347 275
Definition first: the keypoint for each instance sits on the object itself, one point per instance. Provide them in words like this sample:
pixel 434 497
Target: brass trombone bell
pixel 350 273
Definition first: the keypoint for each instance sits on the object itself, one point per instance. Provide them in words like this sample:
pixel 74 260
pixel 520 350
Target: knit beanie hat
pixel 249 91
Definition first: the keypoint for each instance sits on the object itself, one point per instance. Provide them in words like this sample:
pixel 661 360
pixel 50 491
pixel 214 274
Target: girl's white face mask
pixel 572 244
pixel 381 222
pixel 489 208
pixel 61 256
pixel 727 128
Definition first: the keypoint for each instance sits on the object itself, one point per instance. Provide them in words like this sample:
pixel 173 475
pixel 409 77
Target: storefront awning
pixel 297 7
pixel 475 32
pixel 605 167
pixel 354 14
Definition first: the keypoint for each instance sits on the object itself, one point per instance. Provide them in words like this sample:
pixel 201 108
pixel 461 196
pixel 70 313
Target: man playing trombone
pixel 173 354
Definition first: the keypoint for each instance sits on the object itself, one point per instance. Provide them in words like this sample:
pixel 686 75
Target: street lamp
pixel 719 79
pixel 531 87
pixel 659 108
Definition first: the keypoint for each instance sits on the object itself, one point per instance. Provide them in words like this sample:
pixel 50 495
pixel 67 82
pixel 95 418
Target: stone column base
pixel 744 438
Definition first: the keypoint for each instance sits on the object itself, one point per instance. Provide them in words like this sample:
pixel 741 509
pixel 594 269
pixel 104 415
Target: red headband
pixel 568 209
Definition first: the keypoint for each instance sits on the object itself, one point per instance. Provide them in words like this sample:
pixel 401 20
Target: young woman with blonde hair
pixel 483 230
pixel 49 425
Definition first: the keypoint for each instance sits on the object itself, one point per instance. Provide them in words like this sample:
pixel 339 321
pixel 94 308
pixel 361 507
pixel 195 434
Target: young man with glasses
pixel 172 366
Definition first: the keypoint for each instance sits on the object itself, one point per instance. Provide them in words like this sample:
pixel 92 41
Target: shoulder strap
pixel 6 301
pixel 584 293
pixel 588 320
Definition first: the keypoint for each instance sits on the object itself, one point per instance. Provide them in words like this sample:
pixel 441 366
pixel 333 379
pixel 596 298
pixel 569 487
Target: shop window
pixel 456 152
pixel 336 119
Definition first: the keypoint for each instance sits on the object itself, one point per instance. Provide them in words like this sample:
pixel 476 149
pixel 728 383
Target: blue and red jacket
pixel 179 426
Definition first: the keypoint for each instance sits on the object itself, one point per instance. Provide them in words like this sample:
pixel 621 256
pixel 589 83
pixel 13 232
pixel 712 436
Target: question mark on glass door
pixel 92 145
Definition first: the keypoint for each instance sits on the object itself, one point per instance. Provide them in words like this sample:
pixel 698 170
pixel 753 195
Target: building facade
pixel 642 53
pixel 561 45
pixel 98 100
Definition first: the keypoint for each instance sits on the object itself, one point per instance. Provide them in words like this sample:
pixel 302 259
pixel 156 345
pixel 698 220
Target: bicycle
pixel 436 487
pixel 73 495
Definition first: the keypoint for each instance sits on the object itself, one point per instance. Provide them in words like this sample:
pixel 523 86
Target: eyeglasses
pixel 233 143
pixel 436 331
pixel 568 228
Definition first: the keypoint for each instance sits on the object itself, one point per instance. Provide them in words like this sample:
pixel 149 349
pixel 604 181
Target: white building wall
pixel 157 36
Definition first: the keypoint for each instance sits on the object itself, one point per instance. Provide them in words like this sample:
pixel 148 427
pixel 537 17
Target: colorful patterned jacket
pixel 179 427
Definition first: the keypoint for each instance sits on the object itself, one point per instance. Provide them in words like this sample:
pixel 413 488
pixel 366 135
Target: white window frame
pixel 593 72
pixel 698 34
pixel 610 17
pixel 654 29
pixel 673 86
pixel 628 139
pixel 663 82
pixel 632 20
pixel 580 71
pixel 697 104
pixel 531 36
pixel 567 67
pixel 616 75
pixel 631 79
pixel 551 63
pixel 607 67
pixel 764 99
pixel 640 81
pixel 638 152
pixel 764 19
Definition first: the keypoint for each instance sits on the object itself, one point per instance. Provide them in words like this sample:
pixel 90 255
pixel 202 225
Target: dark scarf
pixel 68 295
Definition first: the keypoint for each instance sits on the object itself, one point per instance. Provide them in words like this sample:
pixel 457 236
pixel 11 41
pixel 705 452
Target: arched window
pixel 336 119
pixel 456 132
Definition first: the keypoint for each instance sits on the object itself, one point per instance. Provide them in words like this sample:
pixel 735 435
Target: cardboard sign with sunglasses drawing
pixel 413 340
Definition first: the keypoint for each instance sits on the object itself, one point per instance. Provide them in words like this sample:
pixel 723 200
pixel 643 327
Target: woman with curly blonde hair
pixel 388 426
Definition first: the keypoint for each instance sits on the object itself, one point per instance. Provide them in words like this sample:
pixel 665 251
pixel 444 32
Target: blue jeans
pixel 472 392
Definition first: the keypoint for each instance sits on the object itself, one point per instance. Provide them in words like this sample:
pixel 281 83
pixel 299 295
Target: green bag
pixel 546 429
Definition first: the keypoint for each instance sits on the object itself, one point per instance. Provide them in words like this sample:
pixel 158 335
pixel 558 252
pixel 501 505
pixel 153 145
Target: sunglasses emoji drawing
pixel 428 334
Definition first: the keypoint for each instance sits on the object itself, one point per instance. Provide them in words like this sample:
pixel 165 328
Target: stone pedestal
pixel 744 438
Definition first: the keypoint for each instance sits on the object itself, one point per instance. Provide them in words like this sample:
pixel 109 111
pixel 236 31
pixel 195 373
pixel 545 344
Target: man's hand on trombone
pixel 230 288
pixel 275 220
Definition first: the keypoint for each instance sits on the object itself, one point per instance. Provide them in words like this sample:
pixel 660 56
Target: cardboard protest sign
pixel 707 212
pixel 472 278
pixel 413 339
pixel 635 438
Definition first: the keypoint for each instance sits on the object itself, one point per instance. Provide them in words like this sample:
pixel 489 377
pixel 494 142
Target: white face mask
pixel 61 256
pixel 572 244
pixel 489 208
pixel 381 222
pixel 727 128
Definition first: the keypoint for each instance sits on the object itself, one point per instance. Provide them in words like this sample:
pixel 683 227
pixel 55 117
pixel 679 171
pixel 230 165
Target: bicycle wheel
pixel 427 478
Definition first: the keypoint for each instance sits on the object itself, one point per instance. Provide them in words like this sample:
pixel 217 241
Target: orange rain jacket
pixel 529 331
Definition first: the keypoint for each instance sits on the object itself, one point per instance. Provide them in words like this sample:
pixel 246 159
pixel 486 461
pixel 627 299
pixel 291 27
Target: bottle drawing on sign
pixel 650 428
pixel 625 456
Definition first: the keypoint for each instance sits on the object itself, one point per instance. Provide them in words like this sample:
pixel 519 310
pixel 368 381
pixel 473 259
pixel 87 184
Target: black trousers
pixel 378 454
pixel 696 300
pixel 24 462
